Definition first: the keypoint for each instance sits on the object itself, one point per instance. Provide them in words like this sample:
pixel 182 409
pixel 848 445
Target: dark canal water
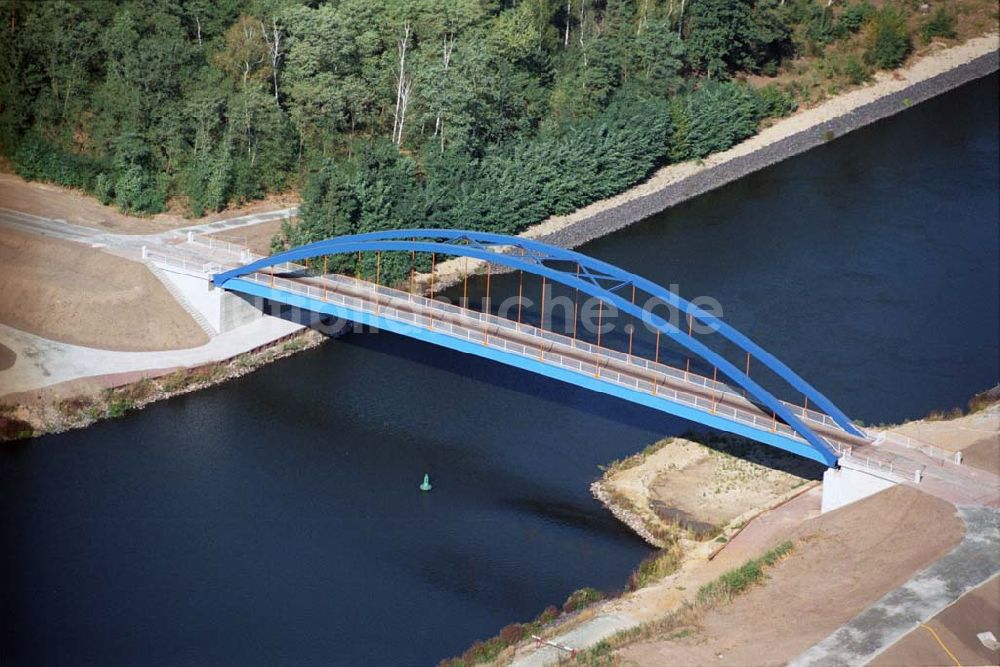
pixel 276 519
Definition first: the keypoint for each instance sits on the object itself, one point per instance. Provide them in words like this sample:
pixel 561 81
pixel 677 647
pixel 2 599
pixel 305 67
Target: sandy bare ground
pixel 952 631
pixel 713 486
pixel 59 203
pixel 73 294
pixel 702 489
pixel 984 453
pixel 843 562
pixel 976 435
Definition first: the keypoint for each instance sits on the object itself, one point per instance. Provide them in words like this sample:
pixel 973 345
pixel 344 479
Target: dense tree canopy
pixel 489 114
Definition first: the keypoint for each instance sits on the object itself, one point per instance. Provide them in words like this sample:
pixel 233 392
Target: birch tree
pixel 273 42
pixel 404 86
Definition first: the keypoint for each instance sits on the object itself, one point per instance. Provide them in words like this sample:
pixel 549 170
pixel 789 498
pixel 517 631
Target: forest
pixel 481 114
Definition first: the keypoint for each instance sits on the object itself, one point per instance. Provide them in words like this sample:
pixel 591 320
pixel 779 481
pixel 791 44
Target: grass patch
pixel 984 399
pixel 655 567
pixel 581 598
pixel 740 579
pixel 680 623
pixel 635 459
pixel 980 401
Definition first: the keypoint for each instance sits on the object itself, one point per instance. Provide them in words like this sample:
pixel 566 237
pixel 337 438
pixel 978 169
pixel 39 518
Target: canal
pixel 276 519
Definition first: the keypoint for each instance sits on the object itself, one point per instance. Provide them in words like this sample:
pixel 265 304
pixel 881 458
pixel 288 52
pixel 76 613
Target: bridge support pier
pixel 843 486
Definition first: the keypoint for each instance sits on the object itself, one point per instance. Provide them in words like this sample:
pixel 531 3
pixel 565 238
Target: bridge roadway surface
pixel 660 380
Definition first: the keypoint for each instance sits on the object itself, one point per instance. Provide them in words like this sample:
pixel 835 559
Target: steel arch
pixel 596 278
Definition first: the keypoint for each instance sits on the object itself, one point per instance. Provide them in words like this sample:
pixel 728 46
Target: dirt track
pixel 849 560
pixel 74 294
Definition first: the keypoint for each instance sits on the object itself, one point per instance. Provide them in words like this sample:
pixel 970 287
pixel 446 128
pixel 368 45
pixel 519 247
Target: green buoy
pixel 426 486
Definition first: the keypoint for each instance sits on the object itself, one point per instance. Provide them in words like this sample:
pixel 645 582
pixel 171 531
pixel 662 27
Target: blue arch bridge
pixel 729 398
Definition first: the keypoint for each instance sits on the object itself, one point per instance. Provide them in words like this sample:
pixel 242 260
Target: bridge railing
pixel 383 298
pixel 907 442
pixel 894 469
pixel 180 264
pixel 213 243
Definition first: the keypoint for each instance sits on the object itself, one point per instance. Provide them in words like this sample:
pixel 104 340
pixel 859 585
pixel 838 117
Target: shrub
pixel 853 18
pixel 776 101
pixel 74 407
pixel 713 118
pixel 582 598
pixel 984 399
pixel 820 27
pixel 137 392
pixel 12 428
pixel 940 24
pixel 136 192
pixel 855 70
pixel 887 38
pixel 104 188
pixel 36 159
pixel 549 614
pixel 119 407
pixel 511 633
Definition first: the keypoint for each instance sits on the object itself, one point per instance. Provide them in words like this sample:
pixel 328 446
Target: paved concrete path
pixel 60 229
pixel 42 362
pixel 586 634
pixel 975 560
pixel 241 221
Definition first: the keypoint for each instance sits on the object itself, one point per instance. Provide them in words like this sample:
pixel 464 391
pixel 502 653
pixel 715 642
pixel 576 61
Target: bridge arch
pixel 593 277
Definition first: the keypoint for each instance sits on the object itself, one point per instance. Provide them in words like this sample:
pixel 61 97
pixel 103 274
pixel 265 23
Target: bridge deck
pixel 658 380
